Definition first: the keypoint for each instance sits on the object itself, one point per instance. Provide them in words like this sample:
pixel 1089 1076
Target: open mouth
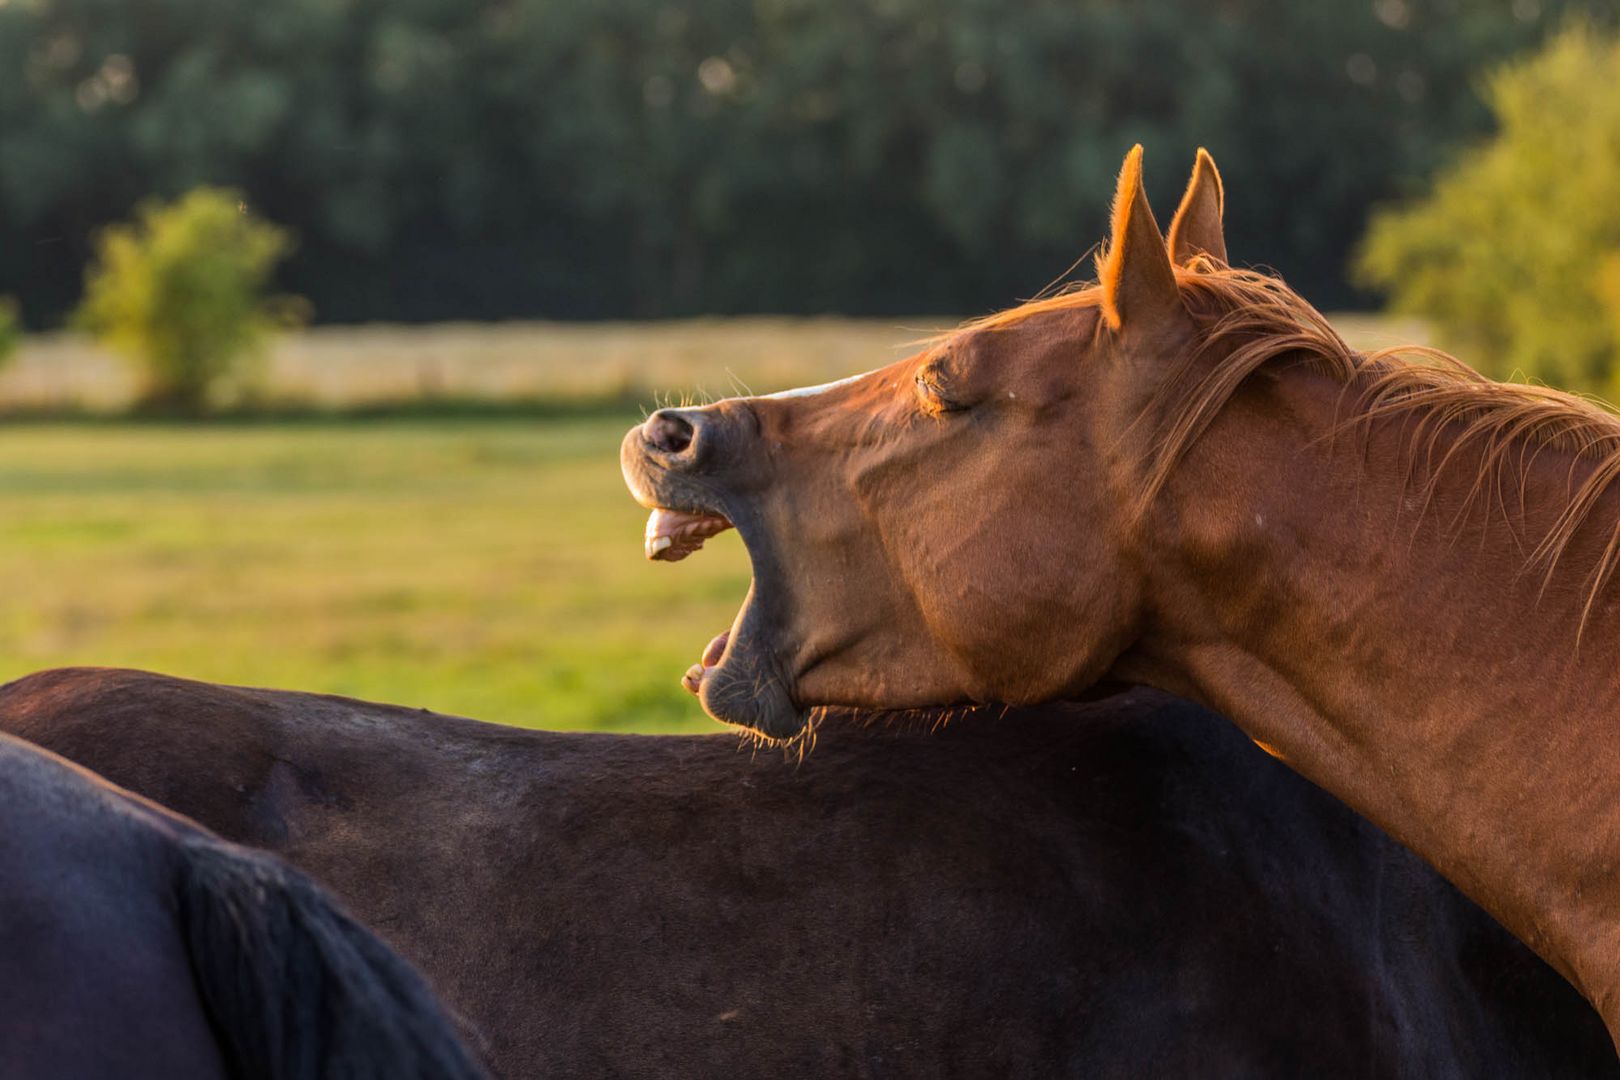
pixel 671 536
pixel 742 677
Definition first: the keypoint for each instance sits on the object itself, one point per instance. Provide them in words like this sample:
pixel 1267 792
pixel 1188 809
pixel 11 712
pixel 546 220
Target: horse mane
pixel 1250 320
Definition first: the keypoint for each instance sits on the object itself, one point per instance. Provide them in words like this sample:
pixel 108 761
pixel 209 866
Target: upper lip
pixel 672 535
pixel 656 486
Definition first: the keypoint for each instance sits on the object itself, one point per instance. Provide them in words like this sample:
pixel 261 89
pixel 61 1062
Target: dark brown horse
pixel 1125 889
pixel 136 946
pixel 1392 571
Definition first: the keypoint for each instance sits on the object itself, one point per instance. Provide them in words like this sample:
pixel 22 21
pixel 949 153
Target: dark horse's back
pixel 1124 889
pixel 136 946
pixel 95 978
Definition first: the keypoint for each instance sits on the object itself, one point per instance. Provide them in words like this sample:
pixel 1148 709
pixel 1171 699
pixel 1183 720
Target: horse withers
pixel 134 945
pixel 1127 889
pixel 1391 570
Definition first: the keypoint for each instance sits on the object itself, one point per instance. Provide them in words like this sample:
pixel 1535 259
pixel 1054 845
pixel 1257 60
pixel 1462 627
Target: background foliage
pixel 589 158
pixel 1515 255
pixel 10 328
pixel 181 292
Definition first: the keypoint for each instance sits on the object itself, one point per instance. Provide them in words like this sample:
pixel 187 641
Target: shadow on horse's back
pixel 1125 889
pixel 136 945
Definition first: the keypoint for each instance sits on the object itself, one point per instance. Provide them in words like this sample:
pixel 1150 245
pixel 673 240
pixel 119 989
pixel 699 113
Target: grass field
pixel 486 567
pixel 490 568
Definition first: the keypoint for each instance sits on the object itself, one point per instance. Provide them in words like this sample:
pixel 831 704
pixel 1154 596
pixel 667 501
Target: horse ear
pixel 1196 228
pixel 1137 280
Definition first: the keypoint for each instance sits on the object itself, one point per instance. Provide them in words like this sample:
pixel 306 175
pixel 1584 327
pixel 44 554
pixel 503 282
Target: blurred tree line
pixel 592 158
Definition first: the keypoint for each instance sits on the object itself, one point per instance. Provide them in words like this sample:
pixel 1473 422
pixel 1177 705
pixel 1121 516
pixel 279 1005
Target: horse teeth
pixel 672 535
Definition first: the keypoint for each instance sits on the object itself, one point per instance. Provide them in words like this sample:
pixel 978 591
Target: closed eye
pixel 935 399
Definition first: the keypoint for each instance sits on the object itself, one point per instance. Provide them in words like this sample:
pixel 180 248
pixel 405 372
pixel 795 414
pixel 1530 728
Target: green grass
pixel 491 568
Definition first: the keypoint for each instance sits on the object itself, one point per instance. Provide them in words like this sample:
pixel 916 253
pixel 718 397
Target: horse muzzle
pixel 692 468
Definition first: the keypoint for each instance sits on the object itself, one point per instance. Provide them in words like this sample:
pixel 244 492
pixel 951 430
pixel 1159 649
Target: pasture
pixel 485 566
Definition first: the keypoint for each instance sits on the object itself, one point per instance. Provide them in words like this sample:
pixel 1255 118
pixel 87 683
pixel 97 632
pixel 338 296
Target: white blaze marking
pixel 812 391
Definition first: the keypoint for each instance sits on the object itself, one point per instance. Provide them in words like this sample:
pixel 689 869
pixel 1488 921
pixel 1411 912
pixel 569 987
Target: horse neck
pixel 1403 656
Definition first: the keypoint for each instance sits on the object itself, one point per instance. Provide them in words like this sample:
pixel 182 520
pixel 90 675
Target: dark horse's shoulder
pixel 58 701
pixel 91 697
pixel 254 763
pixel 203 749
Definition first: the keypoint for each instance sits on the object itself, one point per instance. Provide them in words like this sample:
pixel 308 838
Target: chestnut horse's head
pixel 954 527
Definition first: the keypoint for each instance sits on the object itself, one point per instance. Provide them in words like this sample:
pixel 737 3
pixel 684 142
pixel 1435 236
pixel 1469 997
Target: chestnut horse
pixel 1124 889
pixel 1392 571
pixel 136 946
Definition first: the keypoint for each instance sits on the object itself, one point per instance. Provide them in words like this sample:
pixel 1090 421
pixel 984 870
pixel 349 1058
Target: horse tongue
pixel 717 647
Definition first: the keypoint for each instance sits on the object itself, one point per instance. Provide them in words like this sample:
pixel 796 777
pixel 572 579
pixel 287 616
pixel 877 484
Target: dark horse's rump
pixel 136 946
pixel 1126 889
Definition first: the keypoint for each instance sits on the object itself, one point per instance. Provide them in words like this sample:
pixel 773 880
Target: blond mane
pixel 1249 320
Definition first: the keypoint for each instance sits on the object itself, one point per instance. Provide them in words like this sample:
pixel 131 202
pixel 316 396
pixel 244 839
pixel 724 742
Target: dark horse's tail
pixel 295 988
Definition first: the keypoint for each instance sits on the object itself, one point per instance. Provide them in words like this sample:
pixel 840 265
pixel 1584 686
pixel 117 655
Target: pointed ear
pixel 1138 285
pixel 1196 229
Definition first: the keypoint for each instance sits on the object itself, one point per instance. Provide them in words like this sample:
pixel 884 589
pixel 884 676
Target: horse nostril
pixel 668 431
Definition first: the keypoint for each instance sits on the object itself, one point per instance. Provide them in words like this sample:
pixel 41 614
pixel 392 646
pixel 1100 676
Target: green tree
pixel 1515 253
pixel 10 329
pixel 182 292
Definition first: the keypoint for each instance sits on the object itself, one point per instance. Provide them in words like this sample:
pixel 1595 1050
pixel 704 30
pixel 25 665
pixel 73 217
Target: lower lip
pixel 712 655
